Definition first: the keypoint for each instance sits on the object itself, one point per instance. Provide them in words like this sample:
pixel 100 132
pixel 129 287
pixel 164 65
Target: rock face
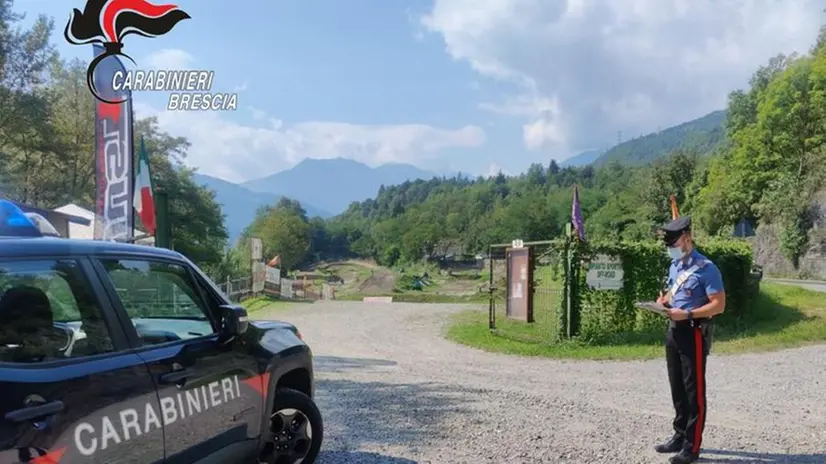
pixel 812 264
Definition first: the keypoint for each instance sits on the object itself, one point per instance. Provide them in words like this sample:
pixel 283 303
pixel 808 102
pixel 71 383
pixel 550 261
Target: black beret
pixel 674 229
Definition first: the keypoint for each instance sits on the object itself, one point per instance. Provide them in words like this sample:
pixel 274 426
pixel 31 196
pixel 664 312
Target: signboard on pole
pixel 519 303
pixel 259 276
pixel 257 248
pixel 273 275
pixel 605 273
pixel 114 155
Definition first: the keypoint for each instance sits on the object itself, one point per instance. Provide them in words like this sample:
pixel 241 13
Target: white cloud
pixel 258 114
pixel 168 59
pixel 585 69
pixel 235 152
pixel 494 170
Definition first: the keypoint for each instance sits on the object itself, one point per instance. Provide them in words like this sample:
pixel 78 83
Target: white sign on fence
pixel 259 276
pixel 257 248
pixel 517 244
pixel 286 288
pixel 605 273
pixel 273 275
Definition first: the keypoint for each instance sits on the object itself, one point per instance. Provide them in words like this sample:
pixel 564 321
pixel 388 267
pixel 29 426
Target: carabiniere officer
pixel 694 295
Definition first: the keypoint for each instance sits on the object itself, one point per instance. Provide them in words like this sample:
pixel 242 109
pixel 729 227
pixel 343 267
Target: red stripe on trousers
pixel 701 406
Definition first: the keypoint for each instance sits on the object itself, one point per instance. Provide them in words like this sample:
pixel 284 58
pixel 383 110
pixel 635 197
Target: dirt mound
pixel 380 281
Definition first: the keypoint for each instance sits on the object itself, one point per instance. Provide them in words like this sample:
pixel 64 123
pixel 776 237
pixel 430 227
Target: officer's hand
pixel 676 314
pixel 662 299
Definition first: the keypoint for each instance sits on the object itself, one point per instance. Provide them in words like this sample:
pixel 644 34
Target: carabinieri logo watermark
pixel 105 23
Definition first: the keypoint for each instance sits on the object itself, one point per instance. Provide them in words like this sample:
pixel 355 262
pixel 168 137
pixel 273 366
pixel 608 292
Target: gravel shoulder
pixel 393 390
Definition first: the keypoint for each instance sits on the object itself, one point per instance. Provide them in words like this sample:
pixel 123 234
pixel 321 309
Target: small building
pixel 86 230
pixel 62 221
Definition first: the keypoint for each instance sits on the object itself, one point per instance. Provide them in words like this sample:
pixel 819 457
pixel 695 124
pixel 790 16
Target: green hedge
pixel 602 316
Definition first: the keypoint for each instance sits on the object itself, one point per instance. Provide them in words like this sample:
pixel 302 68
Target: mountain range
pixel 702 135
pixel 324 187
pixel 583 159
pixel 332 184
pixel 327 187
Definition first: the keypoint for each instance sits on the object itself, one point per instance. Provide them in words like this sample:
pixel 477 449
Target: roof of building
pixel 72 218
pixel 87 231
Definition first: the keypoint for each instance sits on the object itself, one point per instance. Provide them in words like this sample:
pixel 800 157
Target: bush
pixel 606 316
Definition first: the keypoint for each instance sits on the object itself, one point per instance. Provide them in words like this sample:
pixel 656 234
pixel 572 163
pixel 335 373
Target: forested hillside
pixel 703 135
pixel 768 163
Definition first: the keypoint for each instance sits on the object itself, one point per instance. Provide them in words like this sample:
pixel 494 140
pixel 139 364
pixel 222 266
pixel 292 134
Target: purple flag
pixel 576 215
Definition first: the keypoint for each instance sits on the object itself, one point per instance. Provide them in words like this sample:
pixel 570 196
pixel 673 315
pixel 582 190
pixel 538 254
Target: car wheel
pixel 297 429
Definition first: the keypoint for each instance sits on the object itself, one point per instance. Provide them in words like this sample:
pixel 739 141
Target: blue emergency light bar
pixel 14 223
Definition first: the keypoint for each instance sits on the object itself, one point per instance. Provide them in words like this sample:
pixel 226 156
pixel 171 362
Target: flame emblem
pixel 107 22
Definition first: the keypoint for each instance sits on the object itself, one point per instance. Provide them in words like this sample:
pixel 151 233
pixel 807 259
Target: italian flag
pixel 143 202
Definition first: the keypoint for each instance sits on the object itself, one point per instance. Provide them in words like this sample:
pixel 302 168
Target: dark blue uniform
pixel 688 344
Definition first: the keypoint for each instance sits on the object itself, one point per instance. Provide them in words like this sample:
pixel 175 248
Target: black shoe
pixel 671 446
pixel 684 457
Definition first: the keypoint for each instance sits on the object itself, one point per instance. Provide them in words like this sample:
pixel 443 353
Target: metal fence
pixel 237 290
pixel 288 289
pixel 546 275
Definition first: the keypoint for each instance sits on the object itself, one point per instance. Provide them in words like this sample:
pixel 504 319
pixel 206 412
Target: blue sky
pixel 449 84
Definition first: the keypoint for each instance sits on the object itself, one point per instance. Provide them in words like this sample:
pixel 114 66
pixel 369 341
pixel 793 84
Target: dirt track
pixel 392 390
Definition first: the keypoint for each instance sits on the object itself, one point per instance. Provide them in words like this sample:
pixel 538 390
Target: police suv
pixel 118 353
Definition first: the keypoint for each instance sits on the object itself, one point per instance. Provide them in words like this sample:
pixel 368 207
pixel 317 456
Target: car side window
pixel 160 299
pixel 48 312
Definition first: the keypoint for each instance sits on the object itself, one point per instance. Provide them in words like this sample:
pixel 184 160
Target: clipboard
pixel 653 306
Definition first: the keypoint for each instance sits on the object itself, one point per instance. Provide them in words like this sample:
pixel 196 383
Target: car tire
pixel 289 399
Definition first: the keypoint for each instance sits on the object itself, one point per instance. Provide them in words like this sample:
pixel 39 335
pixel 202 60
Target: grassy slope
pixel 784 317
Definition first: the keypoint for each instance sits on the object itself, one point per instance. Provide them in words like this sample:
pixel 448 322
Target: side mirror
pixel 236 321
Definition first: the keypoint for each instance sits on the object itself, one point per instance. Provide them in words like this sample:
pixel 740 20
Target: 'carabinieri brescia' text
pixel 190 89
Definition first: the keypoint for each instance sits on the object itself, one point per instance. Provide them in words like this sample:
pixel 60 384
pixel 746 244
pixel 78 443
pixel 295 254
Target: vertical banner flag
pixel 576 215
pixel 114 155
pixel 675 213
pixel 144 199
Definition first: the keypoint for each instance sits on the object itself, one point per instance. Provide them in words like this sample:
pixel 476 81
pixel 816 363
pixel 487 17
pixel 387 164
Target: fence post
pixel 565 309
pixel 573 292
pixel 491 290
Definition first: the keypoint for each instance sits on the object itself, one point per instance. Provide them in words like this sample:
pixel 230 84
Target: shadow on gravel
pixel 339 365
pixel 359 457
pixel 740 457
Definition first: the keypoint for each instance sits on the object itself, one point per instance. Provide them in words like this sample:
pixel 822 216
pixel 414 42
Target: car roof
pixel 15 247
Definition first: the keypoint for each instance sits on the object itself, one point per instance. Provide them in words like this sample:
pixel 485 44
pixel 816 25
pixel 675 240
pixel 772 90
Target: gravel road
pixel 393 390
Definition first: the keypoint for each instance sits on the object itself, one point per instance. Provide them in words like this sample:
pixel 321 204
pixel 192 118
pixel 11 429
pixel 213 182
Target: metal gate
pixel 526 288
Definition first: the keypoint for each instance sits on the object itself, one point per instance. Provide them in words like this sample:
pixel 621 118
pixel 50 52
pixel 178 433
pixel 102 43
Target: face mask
pixel 675 252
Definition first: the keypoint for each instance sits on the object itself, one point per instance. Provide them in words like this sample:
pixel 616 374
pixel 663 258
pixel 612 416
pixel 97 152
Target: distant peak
pixel 328 161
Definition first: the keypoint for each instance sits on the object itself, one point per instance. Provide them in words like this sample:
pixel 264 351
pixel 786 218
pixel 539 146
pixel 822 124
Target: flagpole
pixel 133 156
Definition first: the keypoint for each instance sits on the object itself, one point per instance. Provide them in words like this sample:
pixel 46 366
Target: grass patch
pixel 260 304
pixel 783 316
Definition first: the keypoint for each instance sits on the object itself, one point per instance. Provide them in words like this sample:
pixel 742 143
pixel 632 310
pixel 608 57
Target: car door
pixel 209 389
pixel 72 390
